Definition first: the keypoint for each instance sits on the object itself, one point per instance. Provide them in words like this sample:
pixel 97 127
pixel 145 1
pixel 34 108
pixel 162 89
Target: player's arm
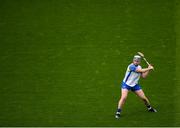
pixel 145 74
pixel 144 69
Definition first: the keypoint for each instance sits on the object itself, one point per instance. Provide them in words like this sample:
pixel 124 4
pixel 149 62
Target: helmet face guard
pixel 137 58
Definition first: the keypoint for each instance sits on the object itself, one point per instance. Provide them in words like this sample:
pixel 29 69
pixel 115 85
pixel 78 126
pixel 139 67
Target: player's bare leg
pixel 124 94
pixel 142 96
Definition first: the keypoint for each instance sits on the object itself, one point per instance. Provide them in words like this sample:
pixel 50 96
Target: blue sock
pixel 119 110
pixel 149 106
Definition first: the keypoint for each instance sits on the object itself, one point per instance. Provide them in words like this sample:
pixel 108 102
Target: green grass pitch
pixel 62 61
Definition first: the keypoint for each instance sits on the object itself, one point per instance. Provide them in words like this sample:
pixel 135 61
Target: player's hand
pixel 151 67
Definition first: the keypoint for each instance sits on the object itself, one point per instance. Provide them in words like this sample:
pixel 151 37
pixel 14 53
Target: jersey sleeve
pixel 132 68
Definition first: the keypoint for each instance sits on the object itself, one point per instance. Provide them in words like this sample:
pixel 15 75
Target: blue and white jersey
pixel 132 77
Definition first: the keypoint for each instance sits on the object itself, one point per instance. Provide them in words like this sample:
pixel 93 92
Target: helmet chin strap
pixel 135 64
